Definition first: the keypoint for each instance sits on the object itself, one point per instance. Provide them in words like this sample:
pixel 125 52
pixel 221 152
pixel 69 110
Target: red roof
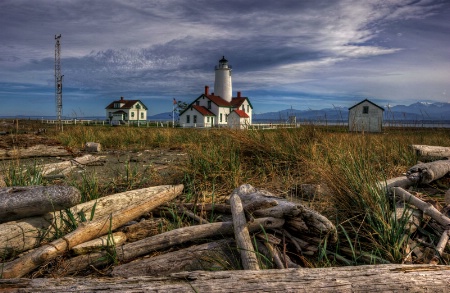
pixel 202 110
pixel 241 113
pixel 237 102
pixel 219 101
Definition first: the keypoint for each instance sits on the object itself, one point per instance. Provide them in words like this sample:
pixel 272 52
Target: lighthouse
pixel 222 81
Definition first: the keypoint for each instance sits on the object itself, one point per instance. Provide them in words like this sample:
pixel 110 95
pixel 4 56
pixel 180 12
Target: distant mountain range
pixel 419 111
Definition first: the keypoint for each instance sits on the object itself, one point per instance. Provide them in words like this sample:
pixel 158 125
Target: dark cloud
pixel 299 53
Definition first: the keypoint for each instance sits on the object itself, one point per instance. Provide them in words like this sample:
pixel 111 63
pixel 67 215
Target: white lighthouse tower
pixel 222 82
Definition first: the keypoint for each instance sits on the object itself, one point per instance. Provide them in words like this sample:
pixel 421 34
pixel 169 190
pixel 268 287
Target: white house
pixel 126 110
pixel 213 109
pixel 238 119
pixel 365 116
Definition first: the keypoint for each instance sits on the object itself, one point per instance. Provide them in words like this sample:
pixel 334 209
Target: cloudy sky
pixel 309 54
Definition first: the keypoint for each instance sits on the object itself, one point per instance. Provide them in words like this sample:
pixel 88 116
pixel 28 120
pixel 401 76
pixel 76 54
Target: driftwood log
pixel 427 172
pixel 426 208
pixel 131 251
pixel 242 235
pixel 67 166
pixel 401 181
pixel 34 151
pixel 216 255
pixel 22 235
pixel 427 151
pixel 86 232
pixel 23 202
pixel 379 278
pixel 298 217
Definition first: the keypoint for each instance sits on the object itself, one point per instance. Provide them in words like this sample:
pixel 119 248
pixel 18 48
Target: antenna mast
pixel 58 81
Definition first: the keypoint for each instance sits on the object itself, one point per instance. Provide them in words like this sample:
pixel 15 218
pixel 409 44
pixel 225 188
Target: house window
pixel 142 115
pixel 132 114
pixel 226 118
pixel 248 108
pixel 188 119
pixel 197 103
pixel 207 119
pixel 220 117
pixel 195 118
pixel 116 105
pixel 209 104
pixel 243 108
pixel 366 110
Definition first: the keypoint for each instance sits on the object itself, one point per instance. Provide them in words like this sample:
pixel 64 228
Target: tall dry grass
pixel 348 164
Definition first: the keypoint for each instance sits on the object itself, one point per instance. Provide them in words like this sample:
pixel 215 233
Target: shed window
pixel 132 114
pixel 188 119
pixel 220 117
pixel 207 119
pixel 366 110
pixel 142 115
pixel 195 118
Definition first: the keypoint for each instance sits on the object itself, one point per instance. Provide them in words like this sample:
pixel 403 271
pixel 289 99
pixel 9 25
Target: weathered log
pixel 19 236
pixel 67 166
pixel 440 247
pixel 21 202
pixel 242 235
pixel 98 244
pixel 427 151
pixel 401 181
pixel 425 207
pixel 34 151
pixel 130 251
pixel 369 278
pixel 93 147
pixel 184 210
pixel 209 256
pixel 143 229
pixel 428 172
pixel 86 232
pixel 316 223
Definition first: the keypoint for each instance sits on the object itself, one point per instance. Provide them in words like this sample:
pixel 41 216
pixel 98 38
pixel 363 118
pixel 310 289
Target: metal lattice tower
pixel 58 80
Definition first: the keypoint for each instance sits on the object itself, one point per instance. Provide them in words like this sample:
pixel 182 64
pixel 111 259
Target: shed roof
pixel 366 100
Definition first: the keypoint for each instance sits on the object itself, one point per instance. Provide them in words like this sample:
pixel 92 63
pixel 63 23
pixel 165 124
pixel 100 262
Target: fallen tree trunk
pixel 34 151
pixel 428 172
pixel 310 221
pixel 425 207
pixel 242 235
pixel 86 232
pixel 22 202
pixel 213 255
pixel 67 166
pixel 379 278
pixel 401 181
pixel 427 151
pixel 130 251
pixel 19 236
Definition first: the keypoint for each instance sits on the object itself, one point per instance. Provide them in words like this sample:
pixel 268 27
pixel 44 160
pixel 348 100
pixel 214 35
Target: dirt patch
pixel 135 168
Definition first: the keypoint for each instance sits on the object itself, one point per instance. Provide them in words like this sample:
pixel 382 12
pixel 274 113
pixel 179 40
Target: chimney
pixel 239 94
pixel 121 98
pixel 206 90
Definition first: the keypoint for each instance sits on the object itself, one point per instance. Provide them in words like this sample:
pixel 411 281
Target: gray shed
pixel 365 116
